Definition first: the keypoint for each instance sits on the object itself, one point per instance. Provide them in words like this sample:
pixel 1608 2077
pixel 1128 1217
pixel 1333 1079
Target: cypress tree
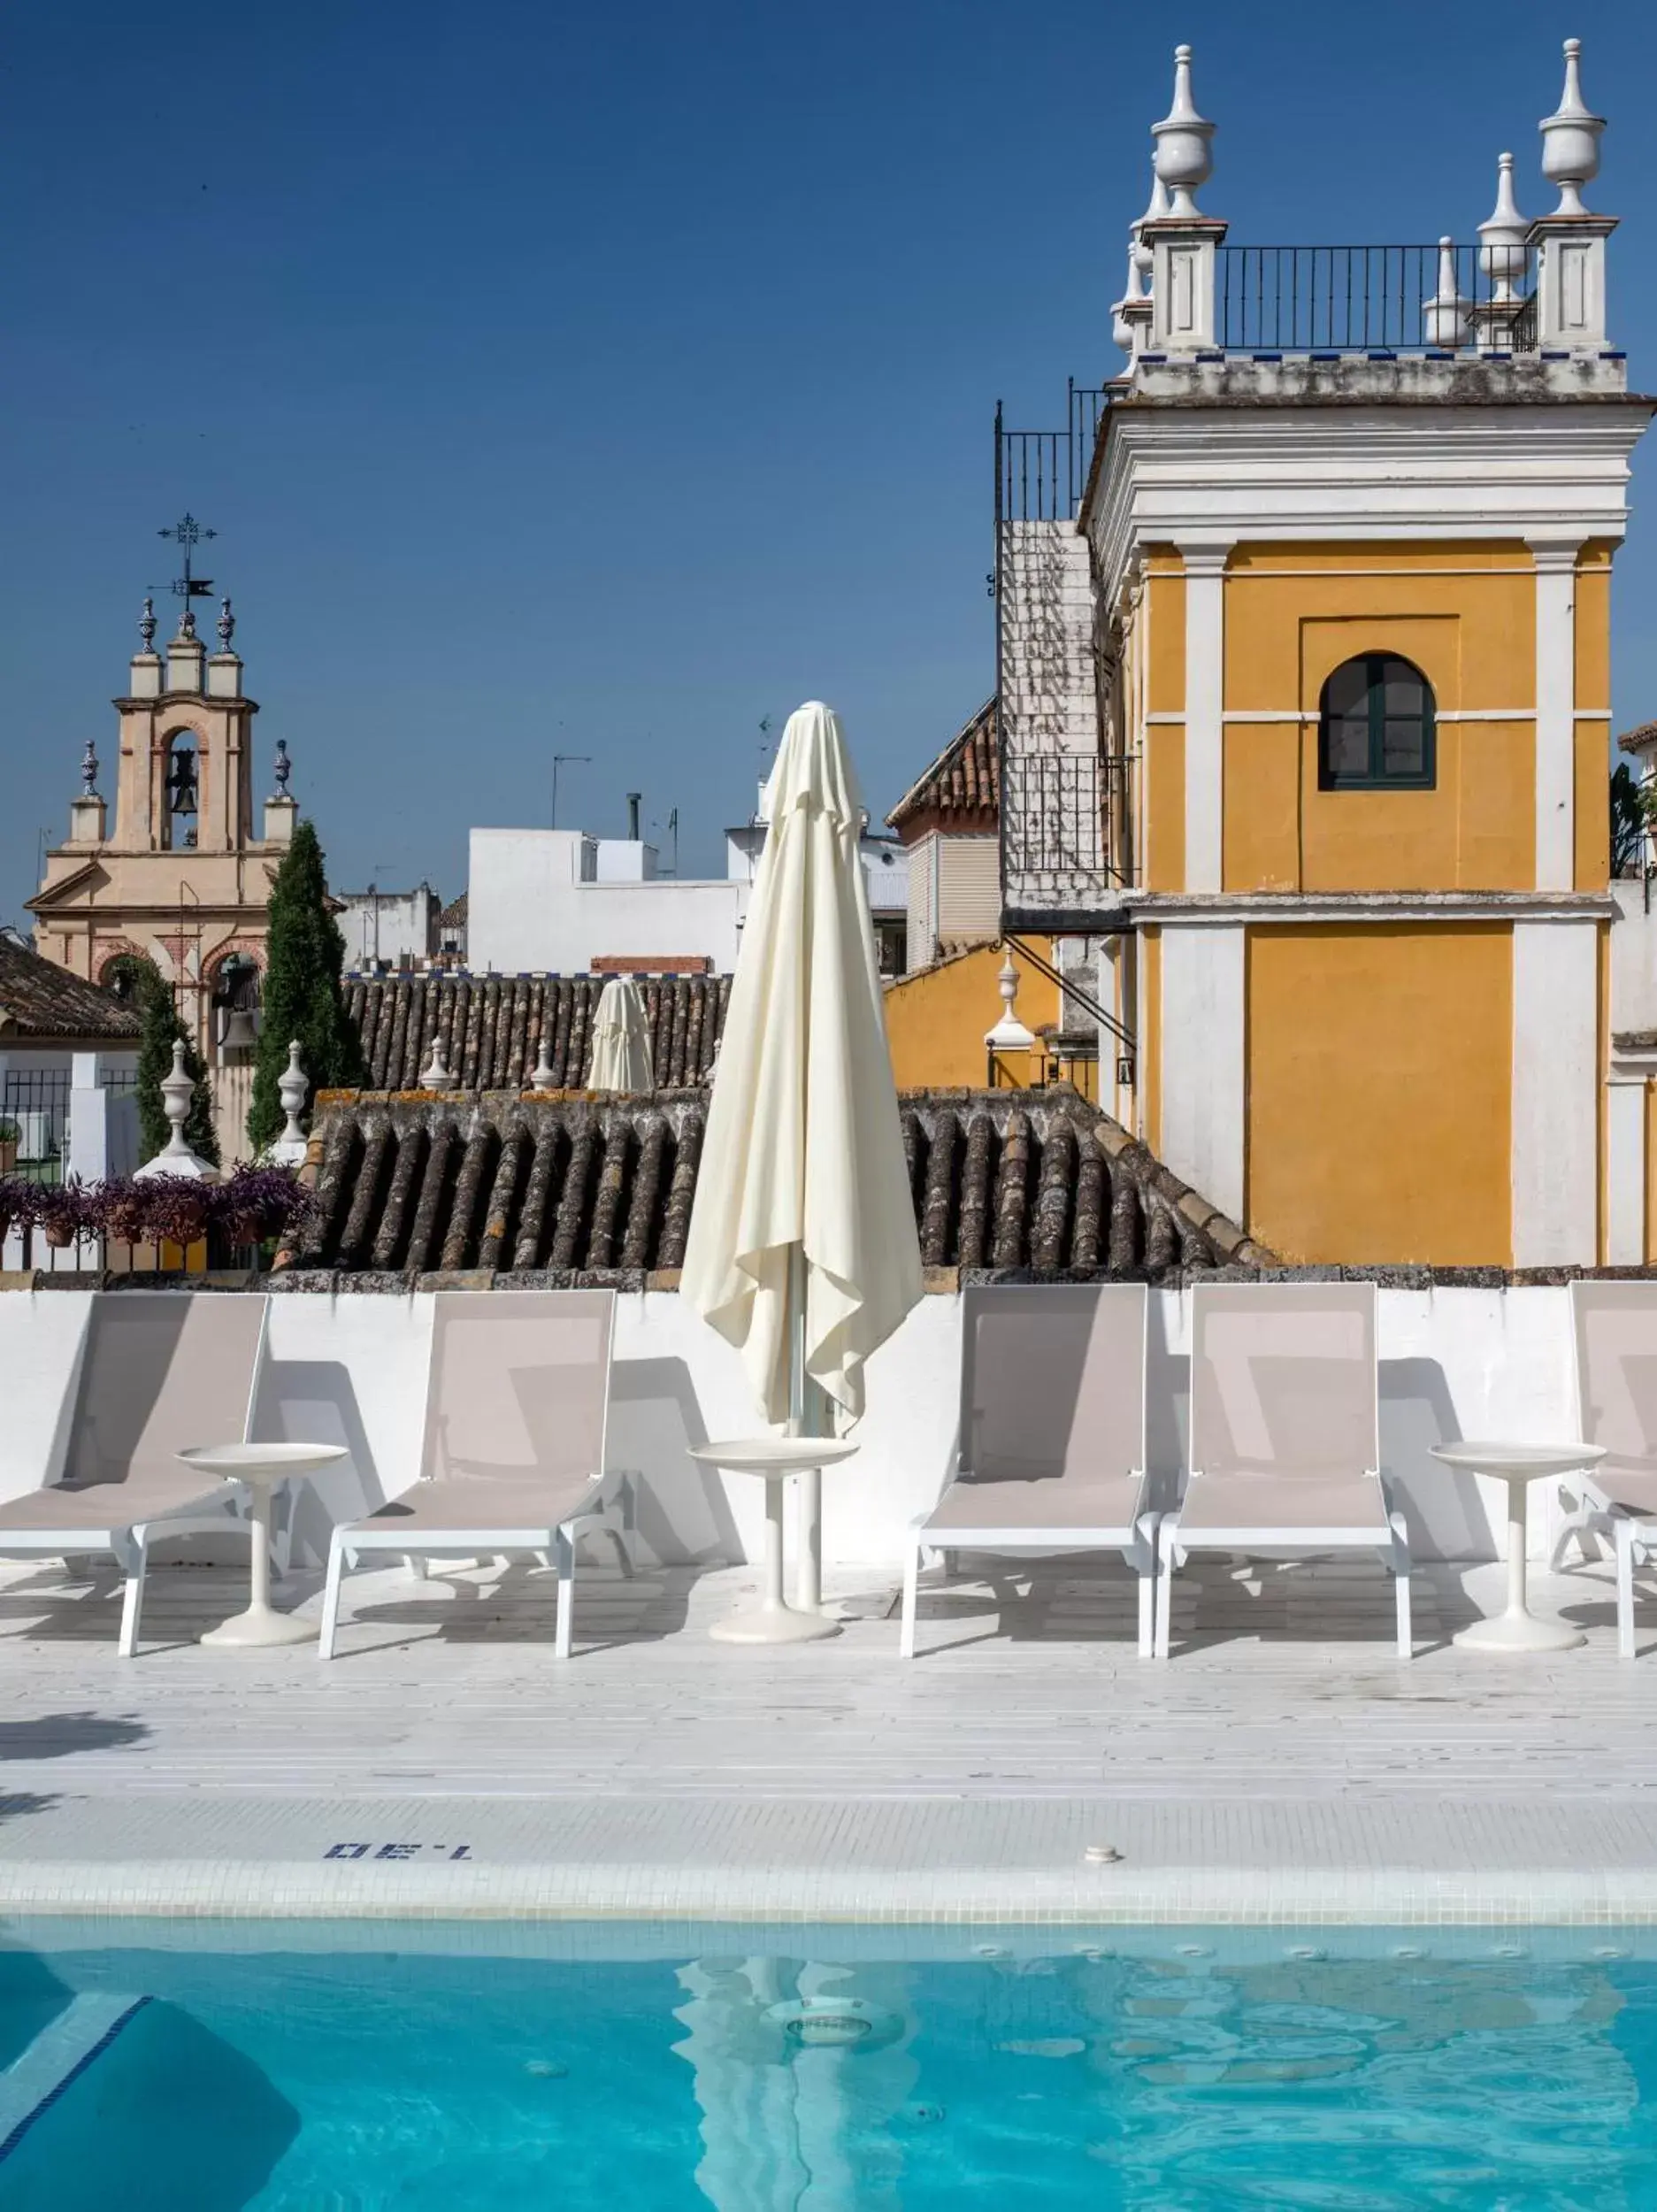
pixel 161 1026
pixel 305 957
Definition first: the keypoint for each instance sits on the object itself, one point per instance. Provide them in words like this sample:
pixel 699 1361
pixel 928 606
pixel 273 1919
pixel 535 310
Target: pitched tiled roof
pixel 1002 1181
pixel 454 914
pixel 488 1027
pixel 40 999
pixel 1640 740
pixel 962 788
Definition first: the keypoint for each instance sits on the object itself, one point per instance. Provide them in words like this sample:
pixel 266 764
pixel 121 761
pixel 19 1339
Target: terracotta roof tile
pixel 1640 739
pixel 488 1028
pixel 40 999
pixel 963 788
pixel 1001 1181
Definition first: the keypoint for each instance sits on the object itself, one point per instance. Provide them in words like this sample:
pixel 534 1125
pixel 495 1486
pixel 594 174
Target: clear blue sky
pixel 601 379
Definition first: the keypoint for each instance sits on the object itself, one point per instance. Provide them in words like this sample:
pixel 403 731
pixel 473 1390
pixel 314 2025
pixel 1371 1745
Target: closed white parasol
pixel 802 1249
pixel 621 1038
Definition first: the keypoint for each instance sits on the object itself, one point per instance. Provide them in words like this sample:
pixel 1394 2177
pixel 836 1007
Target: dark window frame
pixel 1375 776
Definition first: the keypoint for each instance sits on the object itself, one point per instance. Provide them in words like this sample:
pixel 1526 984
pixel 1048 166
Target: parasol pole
pixel 806 1411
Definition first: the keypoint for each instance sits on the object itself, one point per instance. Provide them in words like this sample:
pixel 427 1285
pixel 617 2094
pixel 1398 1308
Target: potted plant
pixel 258 1202
pixel 60 1212
pixel 11 1137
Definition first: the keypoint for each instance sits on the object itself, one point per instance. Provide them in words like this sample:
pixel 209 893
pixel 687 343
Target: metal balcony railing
pixel 1374 299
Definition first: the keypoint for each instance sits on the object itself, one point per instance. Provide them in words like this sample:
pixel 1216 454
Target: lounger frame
pixel 1388 1536
pixel 1135 1538
pixel 222 1506
pixel 610 1507
pixel 1590 1510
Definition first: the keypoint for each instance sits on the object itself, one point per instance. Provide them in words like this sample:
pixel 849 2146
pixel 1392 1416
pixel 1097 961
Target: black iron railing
pixel 33 1121
pixel 1373 299
pixel 1053 815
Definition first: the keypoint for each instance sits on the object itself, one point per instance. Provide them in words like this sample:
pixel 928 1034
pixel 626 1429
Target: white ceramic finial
pixel 1501 253
pixel 540 1076
pixel 435 1076
pixel 1157 207
pixel 1570 138
pixel 291 1087
pixel 1120 327
pixel 1184 159
pixel 1444 316
pixel 176 1158
pixel 1010 1033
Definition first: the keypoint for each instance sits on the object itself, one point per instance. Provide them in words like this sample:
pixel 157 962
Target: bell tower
pixel 178 876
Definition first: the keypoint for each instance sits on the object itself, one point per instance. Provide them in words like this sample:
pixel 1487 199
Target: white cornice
pixel 1213 476
pixel 1184 909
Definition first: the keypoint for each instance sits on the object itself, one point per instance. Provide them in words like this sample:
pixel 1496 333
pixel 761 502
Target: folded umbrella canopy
pixel 802 1249
pixel 621 1039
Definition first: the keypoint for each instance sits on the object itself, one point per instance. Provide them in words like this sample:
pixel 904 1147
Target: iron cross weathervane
pixel 187 533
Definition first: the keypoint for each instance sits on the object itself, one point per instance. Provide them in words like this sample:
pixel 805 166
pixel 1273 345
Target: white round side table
pixel 261 1467
pixel 1519 1466
pixel 773 1459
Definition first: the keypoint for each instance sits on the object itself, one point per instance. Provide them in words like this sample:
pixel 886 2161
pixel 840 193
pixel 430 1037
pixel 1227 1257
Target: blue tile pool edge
pixel 67 2079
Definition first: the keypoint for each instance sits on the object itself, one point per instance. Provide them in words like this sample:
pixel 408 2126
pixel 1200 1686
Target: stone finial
pixel 435 1076
pixel 187 622
pixel 284 768
pixel 1444 316
pixel 177 1091
pixel 543 1076
pixel 1184 159
pixel 90 772
pixel 1502 234
pixel 226 626
pixel 291 1088
pixel 1010 1033
pixel 147 625
pixel 1570 138
pixel 1155 210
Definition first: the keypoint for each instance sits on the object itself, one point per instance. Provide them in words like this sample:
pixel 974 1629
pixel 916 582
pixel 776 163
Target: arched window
pixel 1376 726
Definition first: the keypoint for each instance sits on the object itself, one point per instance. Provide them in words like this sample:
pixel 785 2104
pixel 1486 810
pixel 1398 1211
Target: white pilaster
pixel 1625 1171
pixel 1555 1092
pixel 1205 729
pixel 1203 1070
pixel 1555 712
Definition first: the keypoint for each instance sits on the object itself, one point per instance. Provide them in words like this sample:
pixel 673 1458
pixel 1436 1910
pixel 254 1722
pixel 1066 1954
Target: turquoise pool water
pixel 828 2072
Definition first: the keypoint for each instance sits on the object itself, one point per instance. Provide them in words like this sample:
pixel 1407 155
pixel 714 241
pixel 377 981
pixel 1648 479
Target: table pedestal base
pixel 1519 1632
pixel 773 1624
pixel 1518 1629
pixel 261 1625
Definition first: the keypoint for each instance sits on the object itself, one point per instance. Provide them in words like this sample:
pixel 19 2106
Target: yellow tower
pixel 1310 661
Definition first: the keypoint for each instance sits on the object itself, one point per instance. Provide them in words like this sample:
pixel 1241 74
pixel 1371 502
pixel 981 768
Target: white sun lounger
pixel 159 1369
pixel 1613 1335
pixel 512 1459
pixel 1284 1435
pixel 1050 1453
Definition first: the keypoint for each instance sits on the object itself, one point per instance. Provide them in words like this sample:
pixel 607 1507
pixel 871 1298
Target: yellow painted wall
pixel 936 1017
pixel 1292 614
pixel 1379 1092
pixel 1165 742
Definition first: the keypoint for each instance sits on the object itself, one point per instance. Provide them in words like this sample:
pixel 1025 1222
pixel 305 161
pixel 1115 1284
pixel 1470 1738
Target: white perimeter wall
pixel 352 1369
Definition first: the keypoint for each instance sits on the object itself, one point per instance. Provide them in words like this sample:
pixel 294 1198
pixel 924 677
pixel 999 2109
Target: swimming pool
pixel 838 2069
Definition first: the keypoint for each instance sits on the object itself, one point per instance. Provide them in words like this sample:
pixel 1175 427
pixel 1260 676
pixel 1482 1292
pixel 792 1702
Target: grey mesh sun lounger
pixel 1284 1434
pixel 1050 1453
pixel 512 1459
pixel 159 1370
pixel 1613 1335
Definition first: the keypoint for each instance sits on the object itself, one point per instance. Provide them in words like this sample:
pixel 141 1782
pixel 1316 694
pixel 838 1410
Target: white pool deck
pixel 1283 1768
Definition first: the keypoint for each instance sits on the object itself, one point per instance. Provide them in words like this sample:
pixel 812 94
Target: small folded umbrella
pixel 621 1039
pixel 803 1250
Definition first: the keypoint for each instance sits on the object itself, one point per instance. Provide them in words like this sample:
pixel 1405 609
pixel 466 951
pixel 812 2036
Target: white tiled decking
pixel 1283 1766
